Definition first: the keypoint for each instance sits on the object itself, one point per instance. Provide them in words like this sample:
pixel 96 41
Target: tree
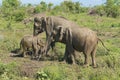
pixel 77 7
pixel 41 7
pixel 112 8
pixel 50 6
pixel 12 10
pixel 68 6
pixel 8 6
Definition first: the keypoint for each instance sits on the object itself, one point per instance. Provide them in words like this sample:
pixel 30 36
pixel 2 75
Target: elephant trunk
pixel 69 36
pixel 47 45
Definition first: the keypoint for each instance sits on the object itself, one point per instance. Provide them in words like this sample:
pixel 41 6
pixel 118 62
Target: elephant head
pixel 42 24
pixel 62 34
pixel 39 24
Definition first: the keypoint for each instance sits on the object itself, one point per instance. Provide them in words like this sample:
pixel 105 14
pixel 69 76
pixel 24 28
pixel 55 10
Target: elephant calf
pixel 31 43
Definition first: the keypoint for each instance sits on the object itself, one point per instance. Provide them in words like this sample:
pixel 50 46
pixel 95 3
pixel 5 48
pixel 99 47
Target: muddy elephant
pixel 31 43
pixel 74 37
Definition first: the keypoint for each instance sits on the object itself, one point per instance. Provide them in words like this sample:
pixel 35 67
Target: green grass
pixel 108 29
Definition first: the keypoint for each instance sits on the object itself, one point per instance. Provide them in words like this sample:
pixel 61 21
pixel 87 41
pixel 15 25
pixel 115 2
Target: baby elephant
pixel 31 43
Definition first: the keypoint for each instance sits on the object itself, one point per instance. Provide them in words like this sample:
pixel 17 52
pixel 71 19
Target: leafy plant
pixel 41 75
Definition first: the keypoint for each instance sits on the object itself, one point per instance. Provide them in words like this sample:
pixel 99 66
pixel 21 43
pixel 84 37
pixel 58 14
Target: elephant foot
pixel 24 56
pixel 74 64
pixel 85 65
pixel 39 58
pixel 63 62
pixel 94 66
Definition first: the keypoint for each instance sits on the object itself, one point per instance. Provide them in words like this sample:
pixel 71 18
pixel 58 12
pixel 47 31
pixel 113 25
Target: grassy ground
pixel 17 68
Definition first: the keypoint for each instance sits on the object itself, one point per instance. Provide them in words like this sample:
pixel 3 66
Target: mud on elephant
pixel 31 43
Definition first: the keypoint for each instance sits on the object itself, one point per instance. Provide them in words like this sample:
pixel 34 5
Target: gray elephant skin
pixel 33 43
pixel 77 38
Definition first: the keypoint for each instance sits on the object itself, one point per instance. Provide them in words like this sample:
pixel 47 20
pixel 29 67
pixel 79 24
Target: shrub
pixel 37 9
pixel 41 75
pixel 19 15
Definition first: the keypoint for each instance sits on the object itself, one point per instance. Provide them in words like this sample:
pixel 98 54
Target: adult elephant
pixel 48 24
pixel 74 37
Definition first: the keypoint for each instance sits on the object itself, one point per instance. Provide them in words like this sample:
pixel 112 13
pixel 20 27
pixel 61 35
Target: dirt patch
pixel 26 66
pixel 29 68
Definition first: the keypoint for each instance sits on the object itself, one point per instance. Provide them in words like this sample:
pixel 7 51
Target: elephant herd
pixel 59 29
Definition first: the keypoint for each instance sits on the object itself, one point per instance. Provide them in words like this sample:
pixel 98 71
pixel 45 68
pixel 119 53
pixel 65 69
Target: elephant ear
pixel 43 19
pixel 68 36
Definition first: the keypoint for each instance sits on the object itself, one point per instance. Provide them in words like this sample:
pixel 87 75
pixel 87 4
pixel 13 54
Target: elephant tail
pixel 103 44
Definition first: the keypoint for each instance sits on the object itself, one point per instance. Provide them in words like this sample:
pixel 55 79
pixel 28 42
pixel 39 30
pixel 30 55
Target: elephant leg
pixel 39 57
pixel 45 50
pixel 87 54
pixel 65 55
pixel 73 58
pixel 32 55
pixel 69 55
pixel 93 57
pixel 87 51
pixel 53 49
pixel 72 53
pixel 53 46
pixel 24 52
pixel 86 62
pixel 35 50
pixel 36 53
pixel 23 49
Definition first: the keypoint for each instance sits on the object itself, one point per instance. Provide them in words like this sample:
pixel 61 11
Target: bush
pixel 112 9
pixel 37 9
pixel 19 15
pixel 41 75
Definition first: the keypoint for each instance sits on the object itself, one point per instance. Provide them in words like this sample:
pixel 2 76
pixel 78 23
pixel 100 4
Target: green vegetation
pixel 103 19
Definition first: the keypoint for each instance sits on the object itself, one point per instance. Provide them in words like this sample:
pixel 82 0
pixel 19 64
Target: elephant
pixel 73 41
pixel 47 24
pixel 33 43
pixel 77 38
